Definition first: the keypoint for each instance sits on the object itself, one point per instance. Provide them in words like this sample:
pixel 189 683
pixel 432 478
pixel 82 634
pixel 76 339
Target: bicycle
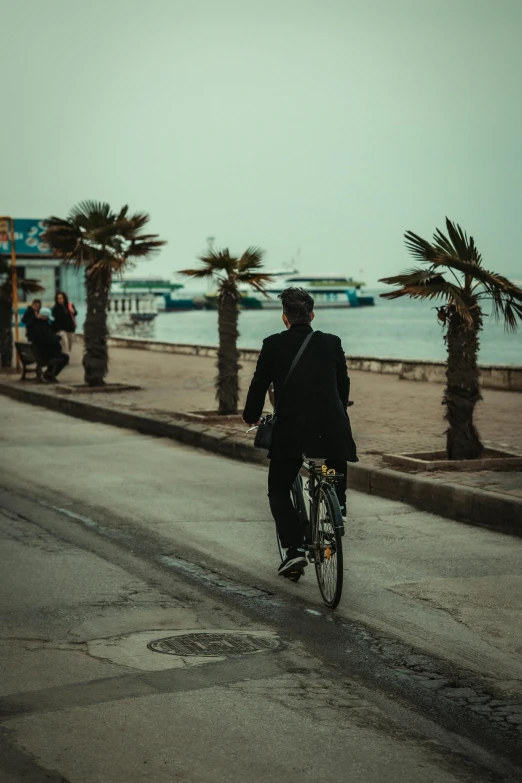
pixel 323 529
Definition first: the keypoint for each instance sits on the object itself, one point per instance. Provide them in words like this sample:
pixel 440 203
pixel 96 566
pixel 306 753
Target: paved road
pixel 111 540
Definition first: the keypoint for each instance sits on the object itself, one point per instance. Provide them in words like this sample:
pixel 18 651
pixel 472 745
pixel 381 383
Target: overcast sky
pixel 329 125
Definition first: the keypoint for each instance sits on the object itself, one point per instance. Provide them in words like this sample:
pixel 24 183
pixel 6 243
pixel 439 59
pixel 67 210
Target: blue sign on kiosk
pixel 28 238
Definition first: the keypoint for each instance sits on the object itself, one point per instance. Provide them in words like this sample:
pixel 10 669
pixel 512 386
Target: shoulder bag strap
pixel 296 359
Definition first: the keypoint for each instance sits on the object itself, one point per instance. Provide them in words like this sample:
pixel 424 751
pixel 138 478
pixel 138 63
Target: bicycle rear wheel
pixel 328 554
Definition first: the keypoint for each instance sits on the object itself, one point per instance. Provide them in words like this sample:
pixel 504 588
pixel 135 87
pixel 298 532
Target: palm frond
pixel 123 213
pixel 61 236
pixel 423 278
pixel 445 250
pixel 421 291
pixel 496 288
pixel 30 286
pixel 54 222
pixel 91 214
pixel 104 234
pixel 473 271
pixel 220 261
pixel 456 252
pixel 251 259
pixel 428 284
pixel 507 302
pixel 95 237
pixel 511 311
pixel 129 228
pixel 139 219
pixel 248 276
pixel 420 248
pixel 141 249
pixel 261 288
pixel 197 273
pixel 146 237
pixel 457 243
pixel 256 280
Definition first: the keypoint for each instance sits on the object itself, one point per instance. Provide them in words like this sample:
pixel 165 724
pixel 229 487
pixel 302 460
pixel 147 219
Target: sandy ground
pixel 388 416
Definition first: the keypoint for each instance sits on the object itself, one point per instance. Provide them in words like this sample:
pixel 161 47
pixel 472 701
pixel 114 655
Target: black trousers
pixel 56 365
pixel 281 475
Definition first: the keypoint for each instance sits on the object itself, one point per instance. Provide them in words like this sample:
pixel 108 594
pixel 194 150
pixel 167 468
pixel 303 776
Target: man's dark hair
pixel 298 305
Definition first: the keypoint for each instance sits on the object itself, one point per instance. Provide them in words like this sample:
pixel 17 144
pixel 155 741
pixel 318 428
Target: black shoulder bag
pixel 265 430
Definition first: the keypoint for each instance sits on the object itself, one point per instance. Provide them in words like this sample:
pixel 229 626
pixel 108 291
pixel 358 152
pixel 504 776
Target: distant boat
pixel 155 286
pixel 328 291
pixel 131 306
pixel 165 291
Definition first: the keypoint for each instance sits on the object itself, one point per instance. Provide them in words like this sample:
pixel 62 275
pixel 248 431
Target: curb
pixel 477 507
pixel 192 434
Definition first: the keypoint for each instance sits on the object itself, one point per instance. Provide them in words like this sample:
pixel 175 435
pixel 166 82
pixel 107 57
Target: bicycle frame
pixel 322 526
pixel 322 534
pixel 317 475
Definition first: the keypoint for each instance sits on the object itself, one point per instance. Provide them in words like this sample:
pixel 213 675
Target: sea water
pixel 403 328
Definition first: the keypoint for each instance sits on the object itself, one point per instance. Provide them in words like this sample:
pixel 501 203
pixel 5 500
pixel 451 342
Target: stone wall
pixel 493 376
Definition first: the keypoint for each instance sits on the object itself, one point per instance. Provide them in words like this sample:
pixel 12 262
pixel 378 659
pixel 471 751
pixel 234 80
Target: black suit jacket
pixel 46 342
pixel 312 416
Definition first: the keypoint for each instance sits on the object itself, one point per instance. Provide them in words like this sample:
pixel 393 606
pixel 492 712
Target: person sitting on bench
pixel 30 317
pixel 48 345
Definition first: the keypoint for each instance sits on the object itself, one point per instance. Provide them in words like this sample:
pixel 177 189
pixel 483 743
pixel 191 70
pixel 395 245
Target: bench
pixel 28 357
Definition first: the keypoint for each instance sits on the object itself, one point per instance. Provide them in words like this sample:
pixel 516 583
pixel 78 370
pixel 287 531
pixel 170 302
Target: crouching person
pixel 48 345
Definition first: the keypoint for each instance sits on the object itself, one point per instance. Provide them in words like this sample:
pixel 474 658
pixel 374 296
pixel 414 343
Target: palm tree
pixel 229 272
pixel 28 286
pixel 455 275
pixel 103 243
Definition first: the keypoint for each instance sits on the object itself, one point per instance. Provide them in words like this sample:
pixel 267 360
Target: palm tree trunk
pixel 227 381
pixel 462 388
pixel 95 332
pixel 6 333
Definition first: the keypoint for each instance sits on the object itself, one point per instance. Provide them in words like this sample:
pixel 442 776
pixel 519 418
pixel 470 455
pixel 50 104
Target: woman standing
pixel 64 324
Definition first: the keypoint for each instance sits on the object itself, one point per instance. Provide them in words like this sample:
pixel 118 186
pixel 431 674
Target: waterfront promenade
pixel 388 416
pixel 113 540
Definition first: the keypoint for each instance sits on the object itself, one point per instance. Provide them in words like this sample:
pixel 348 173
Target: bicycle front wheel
pixel 328 546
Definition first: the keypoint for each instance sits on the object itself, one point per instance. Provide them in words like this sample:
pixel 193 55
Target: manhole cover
pixel 213 644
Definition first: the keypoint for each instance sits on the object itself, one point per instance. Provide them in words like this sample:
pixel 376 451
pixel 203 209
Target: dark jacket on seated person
pixel 46 342
pixel 29 319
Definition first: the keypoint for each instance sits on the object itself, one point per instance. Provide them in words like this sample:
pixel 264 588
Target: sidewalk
pixel 389 415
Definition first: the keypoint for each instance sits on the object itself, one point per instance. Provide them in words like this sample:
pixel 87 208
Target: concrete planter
pixel 436 460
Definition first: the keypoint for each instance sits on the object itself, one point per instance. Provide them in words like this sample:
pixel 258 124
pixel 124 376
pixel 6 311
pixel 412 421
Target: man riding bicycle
pixel 312 416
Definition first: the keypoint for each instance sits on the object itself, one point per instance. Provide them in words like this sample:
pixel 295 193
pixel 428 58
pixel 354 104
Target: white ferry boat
pixel 328 291
pixel 166 292
pixel 133 307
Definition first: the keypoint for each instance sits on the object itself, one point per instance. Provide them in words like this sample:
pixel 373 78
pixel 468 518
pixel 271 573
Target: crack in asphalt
pixel 431 673
pixel 395 667
pixel 457 687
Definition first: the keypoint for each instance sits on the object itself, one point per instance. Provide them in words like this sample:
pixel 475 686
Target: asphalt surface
pixel 112 540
